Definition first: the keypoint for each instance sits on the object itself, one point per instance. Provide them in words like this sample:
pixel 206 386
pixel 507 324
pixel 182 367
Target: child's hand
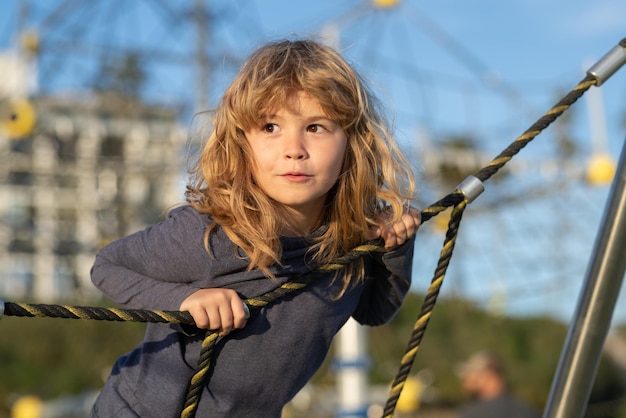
pixel 216 309
pixel 396 234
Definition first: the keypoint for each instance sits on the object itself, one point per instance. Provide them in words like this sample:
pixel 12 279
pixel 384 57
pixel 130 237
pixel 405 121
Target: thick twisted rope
pixel 91 312
pixel 208 344
pixel 425 312
pixel 515 147
pixel 204 362
pixel 177 317
pixel 458 201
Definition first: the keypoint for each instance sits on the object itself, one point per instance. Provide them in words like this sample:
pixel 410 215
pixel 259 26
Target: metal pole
pixel 352 364
pixel 203 62
pixel 583 347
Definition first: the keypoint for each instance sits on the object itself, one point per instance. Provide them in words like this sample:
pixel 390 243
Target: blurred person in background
pixel 483 381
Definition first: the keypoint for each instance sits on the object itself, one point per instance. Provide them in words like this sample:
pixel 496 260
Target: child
pixel 299 169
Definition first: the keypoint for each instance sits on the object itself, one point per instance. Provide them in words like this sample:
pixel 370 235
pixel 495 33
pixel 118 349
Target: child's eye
pixel 315 128
pixel 270 128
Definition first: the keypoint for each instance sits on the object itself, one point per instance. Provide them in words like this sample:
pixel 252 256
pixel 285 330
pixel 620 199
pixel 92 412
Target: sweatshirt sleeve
pixel 386 284
pixel 154 268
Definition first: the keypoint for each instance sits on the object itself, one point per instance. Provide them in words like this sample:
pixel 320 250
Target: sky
pixel 484 70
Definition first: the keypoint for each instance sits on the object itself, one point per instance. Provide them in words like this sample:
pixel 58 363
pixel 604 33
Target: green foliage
pixel 49 357
pixel 530 348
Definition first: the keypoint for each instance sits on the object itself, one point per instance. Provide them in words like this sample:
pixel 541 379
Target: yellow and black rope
pixel 132 315
pixel 425 312
pixel 458 202
pixel 97 313
pixel 204 362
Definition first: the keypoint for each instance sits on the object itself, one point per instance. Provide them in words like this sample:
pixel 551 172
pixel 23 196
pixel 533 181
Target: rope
pixel 198 379
pixel 542 123
pixel 90 312
pixel 456 200
pixel 176 317
pixel 208 344
pixel 427 307
pixel 515 147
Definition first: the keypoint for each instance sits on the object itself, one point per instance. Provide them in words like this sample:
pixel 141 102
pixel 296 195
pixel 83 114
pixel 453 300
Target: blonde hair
pixel 374 176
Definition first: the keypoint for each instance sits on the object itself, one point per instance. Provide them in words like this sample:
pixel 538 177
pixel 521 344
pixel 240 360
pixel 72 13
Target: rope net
pixel 457 200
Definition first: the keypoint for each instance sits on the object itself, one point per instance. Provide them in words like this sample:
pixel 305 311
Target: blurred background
pixel 97 105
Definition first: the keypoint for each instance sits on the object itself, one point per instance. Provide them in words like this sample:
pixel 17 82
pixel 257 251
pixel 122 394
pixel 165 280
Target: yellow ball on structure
pixel 19 121
pixel 409 400
pixel 600 170
pixel 27 407
pixel 385 4
pixel 30 42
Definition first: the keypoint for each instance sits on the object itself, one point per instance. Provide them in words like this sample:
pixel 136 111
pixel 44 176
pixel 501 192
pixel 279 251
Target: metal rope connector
pixel 608 64
pixel 471 188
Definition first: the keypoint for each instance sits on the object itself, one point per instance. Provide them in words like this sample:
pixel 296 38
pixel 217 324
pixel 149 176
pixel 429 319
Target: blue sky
pixel 485 69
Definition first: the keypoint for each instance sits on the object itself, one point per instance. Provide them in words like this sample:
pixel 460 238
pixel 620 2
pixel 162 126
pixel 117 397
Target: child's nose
pixel 294 146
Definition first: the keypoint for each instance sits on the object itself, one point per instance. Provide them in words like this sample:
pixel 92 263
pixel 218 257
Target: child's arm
pixel 388 278
pixel 157 268
pixel 125 269
pixel 162 267
pixel 133 289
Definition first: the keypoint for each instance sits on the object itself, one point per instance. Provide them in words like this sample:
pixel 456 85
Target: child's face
pixel 298 153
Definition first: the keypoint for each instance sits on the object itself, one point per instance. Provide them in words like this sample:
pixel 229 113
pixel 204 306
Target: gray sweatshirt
pixel 256 370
